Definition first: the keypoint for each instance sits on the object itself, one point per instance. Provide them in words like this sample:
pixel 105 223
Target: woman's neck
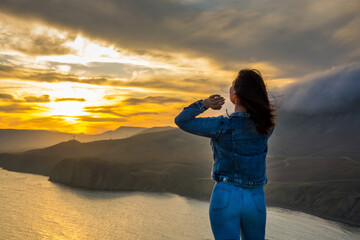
pixel 239 108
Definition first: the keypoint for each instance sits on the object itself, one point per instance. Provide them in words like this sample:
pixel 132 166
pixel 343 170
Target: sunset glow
pixel 59 74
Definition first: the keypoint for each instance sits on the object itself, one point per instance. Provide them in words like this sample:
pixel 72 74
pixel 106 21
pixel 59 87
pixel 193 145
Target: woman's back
pixel 242 134
pixel 239 152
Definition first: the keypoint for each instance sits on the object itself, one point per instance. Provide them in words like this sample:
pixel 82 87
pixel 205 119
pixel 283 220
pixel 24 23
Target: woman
pixel 239 144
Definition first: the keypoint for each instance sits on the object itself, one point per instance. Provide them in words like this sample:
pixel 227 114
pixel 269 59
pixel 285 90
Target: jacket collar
pixel 243 114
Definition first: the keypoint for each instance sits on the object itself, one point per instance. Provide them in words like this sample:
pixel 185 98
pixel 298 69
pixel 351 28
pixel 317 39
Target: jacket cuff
pixel 200 105
pixel 197 105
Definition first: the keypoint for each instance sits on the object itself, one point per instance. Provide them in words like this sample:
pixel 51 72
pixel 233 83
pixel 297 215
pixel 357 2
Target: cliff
pixel 97 174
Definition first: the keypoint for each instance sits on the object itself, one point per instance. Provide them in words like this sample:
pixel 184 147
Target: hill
pixel 18 140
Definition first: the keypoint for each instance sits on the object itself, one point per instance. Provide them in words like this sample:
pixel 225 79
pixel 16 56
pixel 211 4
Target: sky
pixel 91 66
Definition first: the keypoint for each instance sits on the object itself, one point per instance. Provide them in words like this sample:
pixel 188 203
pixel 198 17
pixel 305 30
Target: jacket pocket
pixel 259 201
pixel 220 198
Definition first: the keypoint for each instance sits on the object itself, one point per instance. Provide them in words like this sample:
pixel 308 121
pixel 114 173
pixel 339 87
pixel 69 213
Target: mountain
pixel 18 140
pixel 155 129
pixel 121 132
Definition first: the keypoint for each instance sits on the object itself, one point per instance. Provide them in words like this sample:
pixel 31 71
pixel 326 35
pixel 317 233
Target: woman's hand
pixel 214 102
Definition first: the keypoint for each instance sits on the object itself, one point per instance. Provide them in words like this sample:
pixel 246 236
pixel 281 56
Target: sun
pixel 67 108
pixel 70 99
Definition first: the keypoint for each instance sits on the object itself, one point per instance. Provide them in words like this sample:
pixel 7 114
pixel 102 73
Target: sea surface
pixel 31 207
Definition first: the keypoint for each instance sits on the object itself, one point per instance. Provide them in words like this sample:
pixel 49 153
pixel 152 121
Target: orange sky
pixel 63 75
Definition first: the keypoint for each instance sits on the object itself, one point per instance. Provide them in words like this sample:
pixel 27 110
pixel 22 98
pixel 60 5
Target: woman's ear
pixel 233 98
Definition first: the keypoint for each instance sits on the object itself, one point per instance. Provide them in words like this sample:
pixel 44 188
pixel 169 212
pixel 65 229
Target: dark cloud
pixel 41 45
pixel 151 99
pixel 334 91
pixel 320 114
pixel 30 99
pixel 70 99
pixel 6 97
pixel 21 37
pixel 16 108
pixel 230 33
pixel 42 98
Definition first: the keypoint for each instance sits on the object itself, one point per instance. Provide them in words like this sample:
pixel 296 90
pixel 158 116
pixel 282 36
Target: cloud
pixel 156 82
pixel 93 119
pixel 40 45
pixel 114 110
pixel 228 32
pixel 42 98
pixel 41 75
pixel 120 70
pixel 55 120
pixel 346 34
pixel 333 91
pixel 151 99
pixel 30 39
pixel 16 108
pixel 70 99
pixel 5 97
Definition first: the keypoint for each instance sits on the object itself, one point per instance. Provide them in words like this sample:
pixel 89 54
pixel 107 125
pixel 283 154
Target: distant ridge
pixel 19 140
pixel 156 129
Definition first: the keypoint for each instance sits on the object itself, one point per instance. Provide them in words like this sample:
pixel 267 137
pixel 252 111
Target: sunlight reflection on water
pixel 34 208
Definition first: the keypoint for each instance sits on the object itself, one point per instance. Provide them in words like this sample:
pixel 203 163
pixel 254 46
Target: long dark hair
pixel 251 91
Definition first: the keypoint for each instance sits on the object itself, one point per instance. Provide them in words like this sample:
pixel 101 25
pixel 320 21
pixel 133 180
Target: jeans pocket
pixel 220 198
pixel 259 199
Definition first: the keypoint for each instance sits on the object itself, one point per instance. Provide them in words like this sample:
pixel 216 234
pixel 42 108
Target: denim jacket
pixel 239 151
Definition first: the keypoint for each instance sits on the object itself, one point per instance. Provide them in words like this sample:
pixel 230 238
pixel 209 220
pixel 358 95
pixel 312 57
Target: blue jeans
pixel 236 211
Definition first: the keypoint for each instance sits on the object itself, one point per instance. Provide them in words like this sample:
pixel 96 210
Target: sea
pixel 32 207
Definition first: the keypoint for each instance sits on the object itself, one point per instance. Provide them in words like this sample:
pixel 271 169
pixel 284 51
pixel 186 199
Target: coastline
pixel 287 207
pixel 336 220
pixel 206 198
